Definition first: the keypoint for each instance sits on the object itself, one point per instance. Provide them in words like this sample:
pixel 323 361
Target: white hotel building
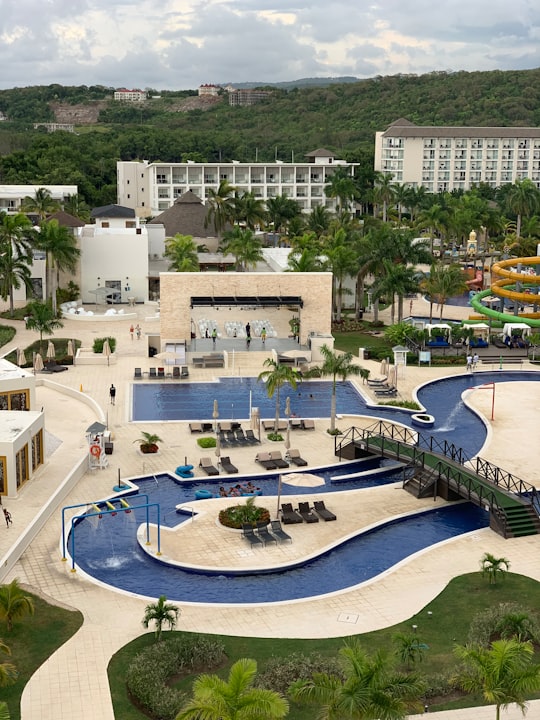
pixel 449 158
pixel 151 188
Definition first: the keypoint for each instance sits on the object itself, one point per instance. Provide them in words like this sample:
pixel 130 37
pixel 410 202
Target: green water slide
pixel 495 314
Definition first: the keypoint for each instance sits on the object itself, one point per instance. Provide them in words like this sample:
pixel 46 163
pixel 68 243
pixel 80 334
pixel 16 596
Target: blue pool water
pixel 108 551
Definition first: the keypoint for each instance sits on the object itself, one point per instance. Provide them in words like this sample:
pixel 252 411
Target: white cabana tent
pixel 480 330
pixel 521 329
pixel 447 330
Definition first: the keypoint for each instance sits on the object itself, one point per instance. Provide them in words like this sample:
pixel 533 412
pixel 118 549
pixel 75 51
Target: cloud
pixel 182 43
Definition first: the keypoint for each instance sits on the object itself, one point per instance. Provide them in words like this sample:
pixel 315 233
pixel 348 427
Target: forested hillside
pixel 340 117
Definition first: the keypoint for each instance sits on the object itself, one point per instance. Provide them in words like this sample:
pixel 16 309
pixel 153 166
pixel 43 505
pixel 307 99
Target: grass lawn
pixel 448 624
pixel 33 639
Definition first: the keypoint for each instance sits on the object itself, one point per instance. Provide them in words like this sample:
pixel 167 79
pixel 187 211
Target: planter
pixel 423 420
pixel 148 450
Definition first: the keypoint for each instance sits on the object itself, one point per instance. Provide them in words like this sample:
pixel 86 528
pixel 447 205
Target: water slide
pixel 505 287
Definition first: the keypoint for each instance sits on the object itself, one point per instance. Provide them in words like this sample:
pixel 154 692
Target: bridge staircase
pixel 438 468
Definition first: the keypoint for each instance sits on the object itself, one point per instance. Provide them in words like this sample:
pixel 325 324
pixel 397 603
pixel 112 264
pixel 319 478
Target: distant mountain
pixel 290 84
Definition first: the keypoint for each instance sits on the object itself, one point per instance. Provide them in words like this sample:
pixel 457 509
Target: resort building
pixel 208 89
pixel 11 196
pixel 124 95
pixel 247 97
pixel 443 159
pixel 151 188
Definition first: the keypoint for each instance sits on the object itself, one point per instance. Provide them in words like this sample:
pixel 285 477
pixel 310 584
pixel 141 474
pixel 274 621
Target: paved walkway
pixel 73 683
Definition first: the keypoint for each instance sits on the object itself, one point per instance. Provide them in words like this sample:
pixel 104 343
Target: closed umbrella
pixel 51 352
pixel 218 446
pixel 107 350
pixel 38 363
pixel 215 414
pixel 288 414
pixel 70 348
pixel 21 357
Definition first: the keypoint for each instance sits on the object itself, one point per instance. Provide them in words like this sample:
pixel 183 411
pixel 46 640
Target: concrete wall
pixel 177 289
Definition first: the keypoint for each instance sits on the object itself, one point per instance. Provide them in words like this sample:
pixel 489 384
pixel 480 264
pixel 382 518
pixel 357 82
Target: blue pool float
pixel 203 494
pixel 185 471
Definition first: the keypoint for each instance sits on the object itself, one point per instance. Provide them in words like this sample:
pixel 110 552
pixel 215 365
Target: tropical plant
pixel 444 282
pixel 161 613
pixel 220 207
pixel 504 673
pixel 397 279
pixel 249 210
pixel 523 199
pixel 383 192
pixel 372 688
pixel 4 711
pixel 42 204
pixel 280 210
pixel 62 253
pixel 339 249
pixel 15 255
pixel 275 378
pixel 148 442
pixel 181 252
pixel 237 515
pixel 337 365
pixel 318 220
pixel 493 567
pixel 341 185
pixel 8 671
pixel 245 247
pixel 42 319
pixel 306 260
pixel 234 698
pixel 410 648
pixel 14 603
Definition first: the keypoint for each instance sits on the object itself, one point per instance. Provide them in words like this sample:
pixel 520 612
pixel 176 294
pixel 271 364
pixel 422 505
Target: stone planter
pixel 423 420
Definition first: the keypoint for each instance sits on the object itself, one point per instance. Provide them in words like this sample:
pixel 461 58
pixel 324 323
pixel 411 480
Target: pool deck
pixel 73 682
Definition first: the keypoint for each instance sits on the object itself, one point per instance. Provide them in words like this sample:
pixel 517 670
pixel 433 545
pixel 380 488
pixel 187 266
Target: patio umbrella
pixel 215 415
pixel 21 357
pixel 107 350
pixel 70 348
pixel 38 363
pixel 51 352
pixel 384 367
pixel 167 355
pixel 303 480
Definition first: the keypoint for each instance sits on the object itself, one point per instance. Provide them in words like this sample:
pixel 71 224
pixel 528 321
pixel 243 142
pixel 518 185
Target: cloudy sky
pixel 179 44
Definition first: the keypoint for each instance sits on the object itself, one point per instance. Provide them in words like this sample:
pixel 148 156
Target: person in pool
pixel 222 492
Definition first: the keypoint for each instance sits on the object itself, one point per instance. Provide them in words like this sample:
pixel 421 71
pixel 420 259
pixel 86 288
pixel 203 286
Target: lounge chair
pixel 251 437
pixel 176 372
pixel 225 426
pixel 195 427
pixel 320 509
pixel 275 456
pixel 390 391
pixel 137 375
pixel 262 532
pixel 279 532
pixel 308 424
pixel 206 465
pixel 268 425
pixel 307 514
pixel 296 423
pixel 152 373
pixel 240 436
pixel 227 466
pixel 248 533
pixel 231 437
pixel 282 426
pixel 161 372
pixel 289 516
pixel 184 372
pixel 377 381
pixel 296 459
pixel 264 459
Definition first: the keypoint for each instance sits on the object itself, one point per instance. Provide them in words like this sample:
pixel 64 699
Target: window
pixel 131 223
pixel 105 224
pixel 37 450
pixel 21 466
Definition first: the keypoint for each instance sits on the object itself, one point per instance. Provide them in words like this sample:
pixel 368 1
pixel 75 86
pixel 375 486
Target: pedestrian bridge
pixel 432 467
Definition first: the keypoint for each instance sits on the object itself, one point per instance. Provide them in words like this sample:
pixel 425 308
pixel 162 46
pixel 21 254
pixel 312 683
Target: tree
pixel 306 260
pixel 180 250
pixel 76 206
pixel 60 245
pixel 318 220
pixel 161 613
pixel 15 255
pixel 410 648
pixel 337 365
pixel 14 603
pixel 249 209
pixel 280 210
pixel 372 689
pixel 8 671
pixel 493 567
pixel 220 207
pixel 342 260
pixel 341 186
pixel 523 199
pixel 42 319
pixel 4 711
pixel 397 279
pixel 276 377
pixel 234 698
pixel 444 281
pixel 504 673
pixel 42 204
pixel 383 192
pixel 245 247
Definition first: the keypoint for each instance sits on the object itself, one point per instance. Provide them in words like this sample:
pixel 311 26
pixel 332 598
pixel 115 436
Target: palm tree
pixel 318 220
pixel 249 210
pixel 42 319
pixel 372 688
pixel 493 567
pixel 383 192
pixel 341 186
pixel 161 613
pixel 280 210
pixel 410 648
pixel 523 199
pixel 434 219
pixel 397 279
pixel 15 255
pixel 42 204
pixel 234 698
pixel 246 248
pixel 444 281
pixel 4 711
pixel 276 377
pixel 76 206
pixel 60 245
pixel 220 207
pixel 180 250
pixel 14 603
pixel 8 671
pixel 503 673
pixel 337 365
pixel 340 251
pixel 305 260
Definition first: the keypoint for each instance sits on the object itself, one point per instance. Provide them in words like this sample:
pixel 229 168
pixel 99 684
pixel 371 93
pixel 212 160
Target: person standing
pixel 469 362
pixel 138 331
pixel 131 330
pixel 7 516
pixel 475 361
pixel 248 331
pixel 112 393
pixel 214 336
pixel 263 335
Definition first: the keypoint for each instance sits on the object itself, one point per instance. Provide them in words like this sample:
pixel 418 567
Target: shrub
pixel 236 515
pixel 440 685
pixel 97 347
pixel 408 404
pixel 505 620
pixel 150 670
pixel 206 442
pixel 274 437
pixel 280 672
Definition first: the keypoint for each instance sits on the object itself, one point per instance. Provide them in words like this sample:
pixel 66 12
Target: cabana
pixel 480 335
pixel 440 335
pixel 515 335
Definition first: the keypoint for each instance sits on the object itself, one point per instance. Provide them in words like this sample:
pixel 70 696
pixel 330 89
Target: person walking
pixel 214 336
pixel 138 331
pixel 7 516
pixel 263 335
pixel 248 330
pixel 131 330
pixel 469 362
pixel 112 393
pixel 475 361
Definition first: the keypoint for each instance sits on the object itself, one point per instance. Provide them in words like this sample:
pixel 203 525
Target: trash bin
pixel 366 354
pixel 109 446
